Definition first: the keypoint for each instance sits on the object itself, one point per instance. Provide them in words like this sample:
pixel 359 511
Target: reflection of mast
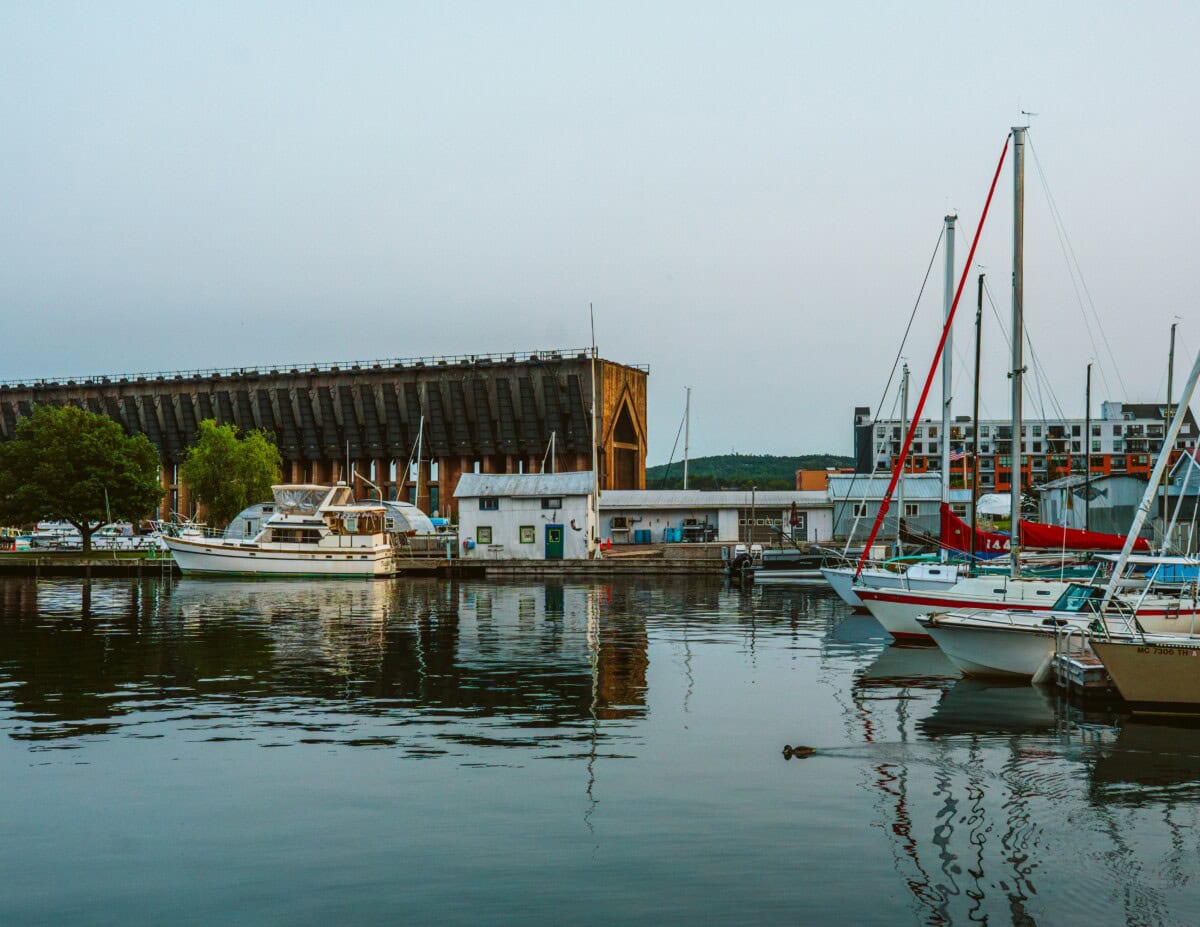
pixel 593 644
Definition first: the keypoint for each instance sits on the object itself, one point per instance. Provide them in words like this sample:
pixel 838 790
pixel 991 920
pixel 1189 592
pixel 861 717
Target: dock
pixel 644 560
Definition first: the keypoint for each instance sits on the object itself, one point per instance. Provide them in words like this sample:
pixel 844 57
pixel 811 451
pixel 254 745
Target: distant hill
pixel 741 471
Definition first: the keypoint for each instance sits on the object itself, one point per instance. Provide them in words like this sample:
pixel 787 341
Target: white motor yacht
pixel 313 531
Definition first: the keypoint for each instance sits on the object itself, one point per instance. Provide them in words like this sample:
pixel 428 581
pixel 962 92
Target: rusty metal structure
pixel 473 413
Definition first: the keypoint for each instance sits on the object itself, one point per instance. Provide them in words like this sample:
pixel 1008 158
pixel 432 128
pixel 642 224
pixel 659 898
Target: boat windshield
pixel 1079 598
pixel 298 500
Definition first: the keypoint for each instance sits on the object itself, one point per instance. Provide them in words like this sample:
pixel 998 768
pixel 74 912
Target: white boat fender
pixel 1042 673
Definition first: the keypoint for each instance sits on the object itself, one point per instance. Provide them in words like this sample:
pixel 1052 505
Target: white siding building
pixel 657 516
pixel 524 516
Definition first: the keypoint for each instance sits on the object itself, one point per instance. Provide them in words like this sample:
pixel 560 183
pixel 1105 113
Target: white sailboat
pixel 847 582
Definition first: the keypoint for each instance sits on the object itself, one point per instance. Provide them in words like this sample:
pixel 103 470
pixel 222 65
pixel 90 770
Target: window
pixel 1037 447
pixel 483 534
pixel 911 509
pixel 984 431
pixel 433 471
pixel 1118 445
pixel 880 431
pixel 1074 431
pixel 552 502
pixel 1076 447
pixel 1095 447
pixel 1037 431
pixel 1116 429
pixel 489 504
pixel 1095 431
pixel 860 510
pixel 959 509
pixel 932 431
pixel 527 534
pixel 477 466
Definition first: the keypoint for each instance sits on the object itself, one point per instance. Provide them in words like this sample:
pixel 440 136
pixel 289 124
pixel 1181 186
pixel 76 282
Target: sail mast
pixel 947 359
pixel 903 461
pixel 687 433
pixel 975 419
pixel 1160 466
pixel 1087 460
pixel 1018 331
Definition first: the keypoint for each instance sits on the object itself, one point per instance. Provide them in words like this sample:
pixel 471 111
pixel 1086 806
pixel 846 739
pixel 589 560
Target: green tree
pixel 72 465
pixel 228 470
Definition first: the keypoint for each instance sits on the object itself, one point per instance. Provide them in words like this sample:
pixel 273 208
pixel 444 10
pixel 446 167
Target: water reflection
pixel 631 729
pixel 987 791
pixel 79 656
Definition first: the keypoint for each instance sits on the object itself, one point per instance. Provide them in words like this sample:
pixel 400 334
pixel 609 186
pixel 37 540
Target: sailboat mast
pixel 420 437
pixel 594 534
pixel 947 359
pixel 1167 421
pixel 1087 461
pixel 975 420
pixel 1160 466
pixel 903 446
pixel 1018 332
pixel 687 431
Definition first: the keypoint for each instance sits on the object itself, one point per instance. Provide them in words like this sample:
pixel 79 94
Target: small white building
pixel 524 516
pixel 657 516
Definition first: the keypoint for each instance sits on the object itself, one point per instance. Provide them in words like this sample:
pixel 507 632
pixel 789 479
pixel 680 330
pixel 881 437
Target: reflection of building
pixel 530 651
pixel 481 414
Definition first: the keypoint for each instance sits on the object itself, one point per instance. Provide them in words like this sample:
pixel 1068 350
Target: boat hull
pixel 1153 675
pixel 994 652
pixel 842 579
pixel 196 557
pixel 898 609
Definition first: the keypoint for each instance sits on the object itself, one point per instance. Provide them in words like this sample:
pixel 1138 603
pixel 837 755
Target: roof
pixel 1079 479
pixel 1150 560
pixel 917 486
pixel 473 485
pixel 709 499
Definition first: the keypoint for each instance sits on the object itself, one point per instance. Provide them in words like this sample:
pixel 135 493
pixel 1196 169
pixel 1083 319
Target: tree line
pixel 69 464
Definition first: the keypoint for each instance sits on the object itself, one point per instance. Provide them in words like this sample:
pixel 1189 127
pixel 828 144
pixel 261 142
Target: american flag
pixel 957 454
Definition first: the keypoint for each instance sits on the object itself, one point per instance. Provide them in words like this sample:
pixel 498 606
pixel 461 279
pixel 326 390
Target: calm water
pixel 421 752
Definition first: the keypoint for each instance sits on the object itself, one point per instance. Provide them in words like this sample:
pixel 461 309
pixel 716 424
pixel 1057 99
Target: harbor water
pixel 431 752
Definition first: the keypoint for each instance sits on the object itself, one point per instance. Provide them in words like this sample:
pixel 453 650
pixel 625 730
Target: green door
pixel 554 542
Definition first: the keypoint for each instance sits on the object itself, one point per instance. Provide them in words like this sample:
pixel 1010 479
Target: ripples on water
pixel 427 752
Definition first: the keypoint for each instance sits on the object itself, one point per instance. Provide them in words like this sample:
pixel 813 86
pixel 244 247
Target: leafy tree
pixel 228 470
pixel 72 465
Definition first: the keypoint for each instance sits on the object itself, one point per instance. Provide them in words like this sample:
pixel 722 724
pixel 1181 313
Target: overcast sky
pixel 748 193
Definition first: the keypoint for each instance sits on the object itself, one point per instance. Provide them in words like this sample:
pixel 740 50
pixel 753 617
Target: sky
pixel 748 194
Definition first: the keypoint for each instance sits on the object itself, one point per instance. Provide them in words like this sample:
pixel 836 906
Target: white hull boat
pixel 1022 643
pixel 916 576
pixel 195 555
pixel 898 609
pixel 314 531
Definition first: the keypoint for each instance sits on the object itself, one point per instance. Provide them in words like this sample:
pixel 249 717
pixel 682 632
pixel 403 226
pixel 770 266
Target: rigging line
pixel 1035 358
pixel 1066 244
pixel 896 363
pixel 670 460
pixel 962 282
pixel 876 449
